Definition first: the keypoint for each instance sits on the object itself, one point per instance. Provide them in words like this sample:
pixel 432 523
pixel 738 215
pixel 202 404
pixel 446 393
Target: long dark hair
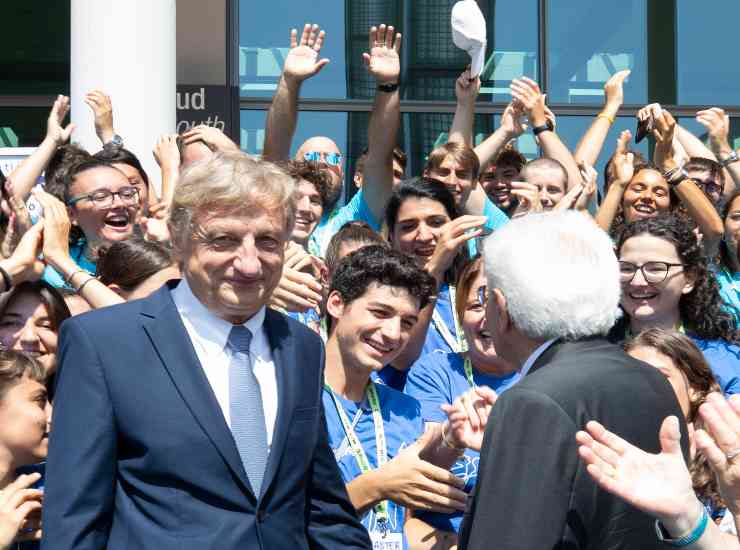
pixel 129 263
pixel 724 252
pixel 690 361
pixel 122 156
pixel 47 294
pixel 425 188
pixel 702 310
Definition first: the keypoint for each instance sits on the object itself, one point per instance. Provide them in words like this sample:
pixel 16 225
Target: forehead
pixel 103 177
pixel 449 163
pixel 650 177
pixel 305 187
pixel 418 208
pixel 699 173
pixel 320 144
pixel 248 220
pixel 395 298
pixel 26 304
pixel 128 171
pixel 545 176
pixel 649 248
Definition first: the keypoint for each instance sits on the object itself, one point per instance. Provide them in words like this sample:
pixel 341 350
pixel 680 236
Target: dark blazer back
pixel 141 456
pixel 533 492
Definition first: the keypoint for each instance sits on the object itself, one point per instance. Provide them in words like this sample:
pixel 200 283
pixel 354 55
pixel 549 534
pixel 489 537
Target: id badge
pixel 391 541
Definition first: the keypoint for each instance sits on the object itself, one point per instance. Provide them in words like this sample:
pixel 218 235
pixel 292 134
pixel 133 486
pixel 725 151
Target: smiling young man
pixel 376 432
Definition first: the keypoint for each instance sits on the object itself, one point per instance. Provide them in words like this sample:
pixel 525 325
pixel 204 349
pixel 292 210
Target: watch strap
pixel 388 88
pixel 729 159
pixel 686 540
pixel 537 130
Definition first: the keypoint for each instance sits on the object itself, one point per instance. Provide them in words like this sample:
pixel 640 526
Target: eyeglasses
pixel 710 187
pixel 333 159
pixel 652 272
pixel 483 295
pixel 104 198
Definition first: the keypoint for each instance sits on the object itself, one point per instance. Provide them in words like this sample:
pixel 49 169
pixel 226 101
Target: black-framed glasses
pixel 709 186
pixel 104 198
pixel 483 295
pixel 652 272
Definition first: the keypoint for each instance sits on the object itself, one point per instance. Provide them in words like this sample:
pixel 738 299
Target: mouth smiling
pixel 380 349
pixel 118 220
pixel 644 209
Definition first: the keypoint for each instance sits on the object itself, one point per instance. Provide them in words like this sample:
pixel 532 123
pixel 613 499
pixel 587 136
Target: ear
pixel 503 319
pixel 358 179
pixel 118 290
pixel 335 304
pixel 72 213
pixel 690 284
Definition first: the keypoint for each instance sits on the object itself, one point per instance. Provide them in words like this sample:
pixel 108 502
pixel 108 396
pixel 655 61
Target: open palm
pixel 658 484
pixel 303 58
pixel 383 61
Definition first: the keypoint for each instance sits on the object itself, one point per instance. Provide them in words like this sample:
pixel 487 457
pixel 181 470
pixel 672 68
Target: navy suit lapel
pixel 284 357
pixel 169 337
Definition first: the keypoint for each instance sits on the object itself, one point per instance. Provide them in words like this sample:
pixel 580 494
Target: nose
pixel 424 233
pixel 639 279
pixel 29 337
pixel 303 204
pixel 247 262
pixel 392 329
pixel 48 410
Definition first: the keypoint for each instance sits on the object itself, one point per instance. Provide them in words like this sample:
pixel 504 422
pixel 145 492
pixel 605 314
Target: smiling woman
pixel 30 317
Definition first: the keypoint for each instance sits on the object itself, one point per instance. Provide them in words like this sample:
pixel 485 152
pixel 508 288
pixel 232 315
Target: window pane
pixel 571 129
pixel 512 46
pixel 34 58
pixel 590 41
pixel 708 72
pixel 264 41
pixel 22 126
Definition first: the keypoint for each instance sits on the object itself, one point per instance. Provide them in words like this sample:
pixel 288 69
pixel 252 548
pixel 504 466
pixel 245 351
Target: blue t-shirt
pixel 724 360
pixel 444 311
pixel 729 289
pixel 439 378
pixel 77 253
pixel 355 210
pixel 403 426
pixel 392 377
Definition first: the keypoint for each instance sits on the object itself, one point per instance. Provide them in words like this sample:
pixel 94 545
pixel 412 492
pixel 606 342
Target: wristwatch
pixel 729 159
pixel 116 142
pixel 676 176
pixel 547 127
pixel 388 88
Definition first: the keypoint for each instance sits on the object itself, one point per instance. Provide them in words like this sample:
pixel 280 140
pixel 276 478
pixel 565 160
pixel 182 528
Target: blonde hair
pixel 228 183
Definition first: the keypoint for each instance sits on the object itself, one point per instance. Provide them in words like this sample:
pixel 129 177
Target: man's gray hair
pixel 559 274
pixel 229 183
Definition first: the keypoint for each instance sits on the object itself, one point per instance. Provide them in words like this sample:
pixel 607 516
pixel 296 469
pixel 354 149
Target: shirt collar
pixel 542 348
pixel 210 328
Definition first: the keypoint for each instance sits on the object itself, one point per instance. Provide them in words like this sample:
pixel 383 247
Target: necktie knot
pixel 239 339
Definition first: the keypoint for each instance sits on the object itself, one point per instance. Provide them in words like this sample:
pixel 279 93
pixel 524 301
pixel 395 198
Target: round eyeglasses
pixel 104 198
pixel 652 272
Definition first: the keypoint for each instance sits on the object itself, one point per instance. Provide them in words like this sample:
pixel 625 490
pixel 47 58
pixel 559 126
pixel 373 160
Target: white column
pixel 127 49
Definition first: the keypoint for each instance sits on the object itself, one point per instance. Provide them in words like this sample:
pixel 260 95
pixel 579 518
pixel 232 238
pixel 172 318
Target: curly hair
pixel 724 252
pixel 702 311
pixel 314 173
pixel 689 360
pixel 378 264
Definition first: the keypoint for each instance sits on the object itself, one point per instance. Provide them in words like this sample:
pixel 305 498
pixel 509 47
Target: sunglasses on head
pixel 333 159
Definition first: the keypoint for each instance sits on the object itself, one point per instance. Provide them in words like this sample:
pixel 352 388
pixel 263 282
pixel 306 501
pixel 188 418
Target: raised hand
pixel 303 58
pixel 17 503
pixel 55 132
pixel 717 124
pixel 56 230
pixel 466 90
pixel 102 108
pixel 467 417
pixel 383 61
pixel 166 152
pixel 512 120
pixel 658 484
pixel 213 137
pixel 527 92
pixel 664 130
pixel 614 92
pixel 589 176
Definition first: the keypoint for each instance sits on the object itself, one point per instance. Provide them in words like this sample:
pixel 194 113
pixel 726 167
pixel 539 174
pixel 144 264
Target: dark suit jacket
pixel 141 457
pixel 533 492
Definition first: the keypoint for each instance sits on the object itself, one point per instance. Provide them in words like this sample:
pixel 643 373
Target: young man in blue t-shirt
pixel 377 434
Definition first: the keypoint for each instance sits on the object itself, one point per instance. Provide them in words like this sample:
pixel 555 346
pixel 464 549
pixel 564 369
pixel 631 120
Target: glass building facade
pixel 679 51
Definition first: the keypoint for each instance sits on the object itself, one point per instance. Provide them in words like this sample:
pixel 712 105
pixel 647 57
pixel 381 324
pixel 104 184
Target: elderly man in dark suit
pixel 553 292
pixel 192 419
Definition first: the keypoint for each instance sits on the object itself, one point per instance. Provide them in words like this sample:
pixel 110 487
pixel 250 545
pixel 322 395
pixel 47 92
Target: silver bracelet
pixel 732 157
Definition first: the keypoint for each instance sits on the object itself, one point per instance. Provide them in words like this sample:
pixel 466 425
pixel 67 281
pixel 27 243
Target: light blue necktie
pixel 245 408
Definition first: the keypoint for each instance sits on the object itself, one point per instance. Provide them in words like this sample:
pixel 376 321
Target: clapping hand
pixel 528 196
pixel 614 92
pixel 717 123
pixel 512 120
pixel 303 60
pixel 55 132
pixel 383 61
pixel 527 92
pixel 467 417
pixel 664 130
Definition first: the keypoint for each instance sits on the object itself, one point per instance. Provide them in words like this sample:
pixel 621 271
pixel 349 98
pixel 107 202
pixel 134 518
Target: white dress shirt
pixel 542 348
pixel 209 335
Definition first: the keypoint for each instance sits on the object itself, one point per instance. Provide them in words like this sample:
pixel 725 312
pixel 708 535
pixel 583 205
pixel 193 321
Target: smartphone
pixel 643 129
